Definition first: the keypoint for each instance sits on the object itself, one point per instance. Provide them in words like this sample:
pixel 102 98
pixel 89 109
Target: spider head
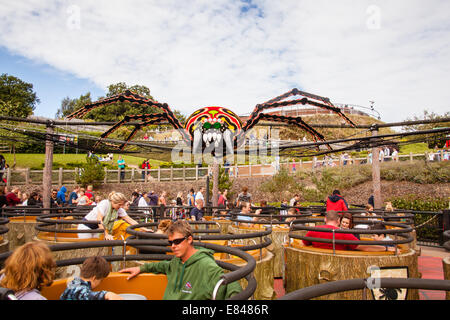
pixel 212 129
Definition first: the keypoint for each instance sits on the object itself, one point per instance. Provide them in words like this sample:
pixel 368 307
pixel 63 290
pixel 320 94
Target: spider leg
pixel 132 97
pixel 152 118
pixel 309 98
pixel 136 129
pixel 297 121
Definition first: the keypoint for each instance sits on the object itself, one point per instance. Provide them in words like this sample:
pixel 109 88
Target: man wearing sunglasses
pixel 192 273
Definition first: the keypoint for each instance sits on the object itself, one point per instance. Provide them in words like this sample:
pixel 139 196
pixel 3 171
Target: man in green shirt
pixel 193 273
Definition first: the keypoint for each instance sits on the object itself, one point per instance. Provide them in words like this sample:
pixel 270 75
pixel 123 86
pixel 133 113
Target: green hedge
pixel 430 231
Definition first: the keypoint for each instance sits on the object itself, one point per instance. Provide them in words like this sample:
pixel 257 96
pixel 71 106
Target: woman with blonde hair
pixel 110 216
pixel 163 226
pixel 27 270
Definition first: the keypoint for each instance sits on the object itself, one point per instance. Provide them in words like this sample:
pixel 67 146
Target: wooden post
pixel 196 172
pixel 47 174
pixel 376 172
pixel 105 180
pixel 27 176
pixel 8 177
pixel 132 174
pixel 60 178
pixel 411 157
pixel 159 173
pixel 171 173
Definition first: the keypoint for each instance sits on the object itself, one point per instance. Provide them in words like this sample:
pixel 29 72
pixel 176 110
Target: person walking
pixel 121 166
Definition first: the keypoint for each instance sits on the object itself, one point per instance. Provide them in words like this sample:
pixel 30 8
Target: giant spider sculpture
pixel 214 129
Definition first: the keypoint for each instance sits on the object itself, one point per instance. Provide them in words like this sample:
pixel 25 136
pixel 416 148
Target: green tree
pixel 117 111
pixel 17 97
pixel 68 105
pixel 225 183
pixel 434 140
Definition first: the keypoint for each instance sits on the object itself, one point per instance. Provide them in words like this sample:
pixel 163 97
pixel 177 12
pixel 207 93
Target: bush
pixel 412 202
pixel 419 172
pixel 281 184
pixel 427 230
pixel 91 173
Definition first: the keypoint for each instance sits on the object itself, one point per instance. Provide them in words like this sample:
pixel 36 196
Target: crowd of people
pixel 13 196
pixel 109 216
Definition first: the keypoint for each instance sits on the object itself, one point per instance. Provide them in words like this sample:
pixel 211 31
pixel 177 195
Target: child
pixel 382 236
pixel 93 271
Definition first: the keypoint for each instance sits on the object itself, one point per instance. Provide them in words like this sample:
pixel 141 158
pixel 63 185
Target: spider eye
pixel 207 125
pixel 216 125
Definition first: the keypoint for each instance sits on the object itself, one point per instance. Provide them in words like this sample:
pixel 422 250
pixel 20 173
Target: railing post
pixel 105 180
pixel 411 157
pixel 159 173
pixel 171 173
pixel 132 174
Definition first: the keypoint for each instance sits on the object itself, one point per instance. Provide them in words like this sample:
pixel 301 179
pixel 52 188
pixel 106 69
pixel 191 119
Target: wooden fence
pixel 67 177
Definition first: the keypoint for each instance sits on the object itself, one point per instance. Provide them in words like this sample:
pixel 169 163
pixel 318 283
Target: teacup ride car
pixel 147 285
pixel 279 235
pixel 258 242
pixel 62 228
pixel 308 265
pixel 23 221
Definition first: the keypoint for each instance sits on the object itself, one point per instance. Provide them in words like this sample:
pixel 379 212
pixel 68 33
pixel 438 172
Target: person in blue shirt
pixel 73 196
pixel 93 271
pixel 61 196
pixel 197 212
pixel 121 166
pixel 245 209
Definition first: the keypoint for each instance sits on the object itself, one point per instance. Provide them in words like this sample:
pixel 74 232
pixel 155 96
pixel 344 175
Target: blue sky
pixel 234 54
pixel 51 85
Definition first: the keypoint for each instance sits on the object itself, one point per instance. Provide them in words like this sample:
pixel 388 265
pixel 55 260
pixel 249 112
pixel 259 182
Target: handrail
pixel 358 284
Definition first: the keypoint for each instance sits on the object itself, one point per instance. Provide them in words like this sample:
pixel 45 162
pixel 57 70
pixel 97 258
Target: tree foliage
pixel 434 140
pixel 68 105
pixel 91 173
pixel 117 111
pixel 17 98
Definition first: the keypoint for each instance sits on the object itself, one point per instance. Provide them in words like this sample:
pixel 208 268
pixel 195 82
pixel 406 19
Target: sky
pixel 232 53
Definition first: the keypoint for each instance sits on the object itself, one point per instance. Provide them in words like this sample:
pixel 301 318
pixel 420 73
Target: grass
pixel 415 148
pixel 32 160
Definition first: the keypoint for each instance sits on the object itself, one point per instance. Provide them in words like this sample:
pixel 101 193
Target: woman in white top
pixel 110 216
pixel 82 198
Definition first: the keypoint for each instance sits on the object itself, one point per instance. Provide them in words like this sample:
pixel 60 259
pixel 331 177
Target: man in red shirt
pixel 336 202
pixel 332 222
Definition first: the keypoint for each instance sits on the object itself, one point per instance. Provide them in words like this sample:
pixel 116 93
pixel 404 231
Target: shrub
pixel 91 173
pixel 429 229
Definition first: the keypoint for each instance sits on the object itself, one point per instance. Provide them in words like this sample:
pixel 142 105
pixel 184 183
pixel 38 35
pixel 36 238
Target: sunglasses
pixel 177 241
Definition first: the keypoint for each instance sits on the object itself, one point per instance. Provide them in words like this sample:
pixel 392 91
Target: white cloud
pixel 196 53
